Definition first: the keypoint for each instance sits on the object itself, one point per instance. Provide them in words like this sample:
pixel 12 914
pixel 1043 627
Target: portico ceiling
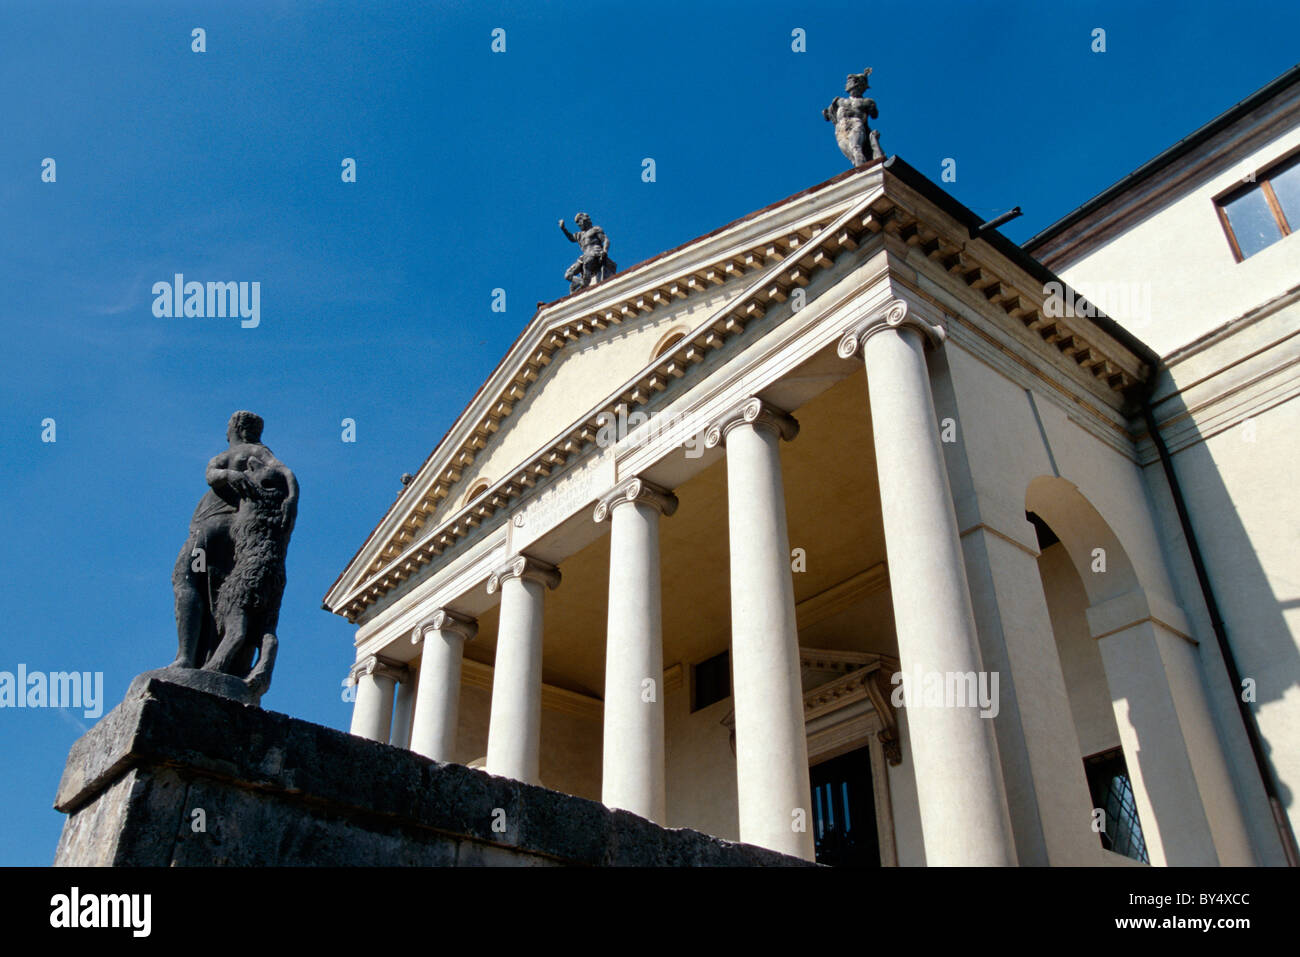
pixel 833 510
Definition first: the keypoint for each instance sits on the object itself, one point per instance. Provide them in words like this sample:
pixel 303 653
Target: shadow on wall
pixel 1253 614
pixel 1271 659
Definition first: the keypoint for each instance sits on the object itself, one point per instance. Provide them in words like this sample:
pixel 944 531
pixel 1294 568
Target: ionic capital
pixel 449 623
pixel 636 490
pixel 753 411
pixel 525 568
pixel 896 315
pixel 379 667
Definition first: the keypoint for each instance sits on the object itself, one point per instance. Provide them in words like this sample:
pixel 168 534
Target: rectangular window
pixel 1260 213
pixel 711 681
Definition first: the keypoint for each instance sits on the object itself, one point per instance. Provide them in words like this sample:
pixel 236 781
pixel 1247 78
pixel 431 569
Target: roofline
pixel 545 306
pixel 1168 157
pixel 906 174
pixel 1016 254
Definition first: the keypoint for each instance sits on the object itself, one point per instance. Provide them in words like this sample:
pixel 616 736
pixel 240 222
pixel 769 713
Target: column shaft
pixel 962 800
pixel 514 731
pixel 437 703
pixel 773 790
pixel 633 766
pixel 372 709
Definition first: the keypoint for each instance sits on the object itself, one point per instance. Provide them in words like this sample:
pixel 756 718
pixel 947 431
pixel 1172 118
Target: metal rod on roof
pixel 977 231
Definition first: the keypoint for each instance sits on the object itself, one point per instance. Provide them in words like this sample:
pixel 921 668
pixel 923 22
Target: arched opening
pixel 475 490
pixel 1082 563
pixel 1103 565
pixel 667 341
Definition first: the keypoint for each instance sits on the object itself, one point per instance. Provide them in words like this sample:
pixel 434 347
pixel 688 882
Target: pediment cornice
pixel 765 255
pixel 763 258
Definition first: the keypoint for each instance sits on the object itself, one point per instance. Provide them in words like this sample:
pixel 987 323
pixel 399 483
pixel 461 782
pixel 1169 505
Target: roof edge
pixel 1166 158
pixel 1016 254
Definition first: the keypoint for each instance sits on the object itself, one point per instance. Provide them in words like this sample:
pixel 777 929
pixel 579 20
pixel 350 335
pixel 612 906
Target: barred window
pixel 1112 793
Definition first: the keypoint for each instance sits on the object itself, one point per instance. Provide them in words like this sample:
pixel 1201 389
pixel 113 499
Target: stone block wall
pixel 177 777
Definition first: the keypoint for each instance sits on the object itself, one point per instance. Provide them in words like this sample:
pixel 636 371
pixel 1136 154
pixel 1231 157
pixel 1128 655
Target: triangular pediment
pixel 595 352
pixel 585 355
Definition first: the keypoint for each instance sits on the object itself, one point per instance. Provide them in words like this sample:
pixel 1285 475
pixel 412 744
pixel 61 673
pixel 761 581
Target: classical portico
pixel 686 486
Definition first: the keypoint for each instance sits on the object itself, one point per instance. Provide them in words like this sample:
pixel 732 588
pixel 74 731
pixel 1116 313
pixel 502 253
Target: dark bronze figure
pixel 593 264
pixel 858 142
pixel 230 577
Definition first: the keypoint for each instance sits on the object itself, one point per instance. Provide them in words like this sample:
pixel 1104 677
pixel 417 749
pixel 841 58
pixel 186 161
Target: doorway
pixel 844 811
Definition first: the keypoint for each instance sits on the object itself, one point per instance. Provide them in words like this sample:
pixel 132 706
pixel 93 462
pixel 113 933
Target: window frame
pixel 1104 760
pixel 1262 180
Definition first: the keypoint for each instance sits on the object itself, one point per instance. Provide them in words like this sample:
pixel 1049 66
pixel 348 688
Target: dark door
pixel 844 811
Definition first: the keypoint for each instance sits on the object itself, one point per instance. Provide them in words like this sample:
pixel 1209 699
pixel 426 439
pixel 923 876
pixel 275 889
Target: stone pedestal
pixel 177 777
pixel 212 682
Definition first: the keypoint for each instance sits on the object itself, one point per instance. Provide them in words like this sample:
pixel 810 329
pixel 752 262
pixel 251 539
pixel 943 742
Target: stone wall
pixel 269 789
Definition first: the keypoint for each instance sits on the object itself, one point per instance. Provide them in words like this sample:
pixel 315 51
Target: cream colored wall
pixel 472 731
pixel 1246 514
pixel 906 808
pixel 571 745
pixel 1008 451
pixel 1181 257
pixel 701 772
pixel 1085 677
pixel 700 766
pixel 582 374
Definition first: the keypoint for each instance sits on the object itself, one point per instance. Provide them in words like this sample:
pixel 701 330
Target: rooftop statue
pixel 229 577
pixel 593 264
pixel 850 114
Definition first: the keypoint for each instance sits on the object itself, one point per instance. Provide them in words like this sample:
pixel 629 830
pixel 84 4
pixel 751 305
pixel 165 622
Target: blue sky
pixel 376 295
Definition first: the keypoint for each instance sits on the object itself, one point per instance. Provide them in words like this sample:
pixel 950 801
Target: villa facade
pixel 843 531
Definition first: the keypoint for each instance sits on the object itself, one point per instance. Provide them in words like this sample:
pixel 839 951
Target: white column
pixel 375 679
pixel 514 729
pixel 771 743
pixel 437 703
pixel 632 775
pixel 403 707
pixel 959 785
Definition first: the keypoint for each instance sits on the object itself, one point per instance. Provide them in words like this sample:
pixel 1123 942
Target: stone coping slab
pixel 308 770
